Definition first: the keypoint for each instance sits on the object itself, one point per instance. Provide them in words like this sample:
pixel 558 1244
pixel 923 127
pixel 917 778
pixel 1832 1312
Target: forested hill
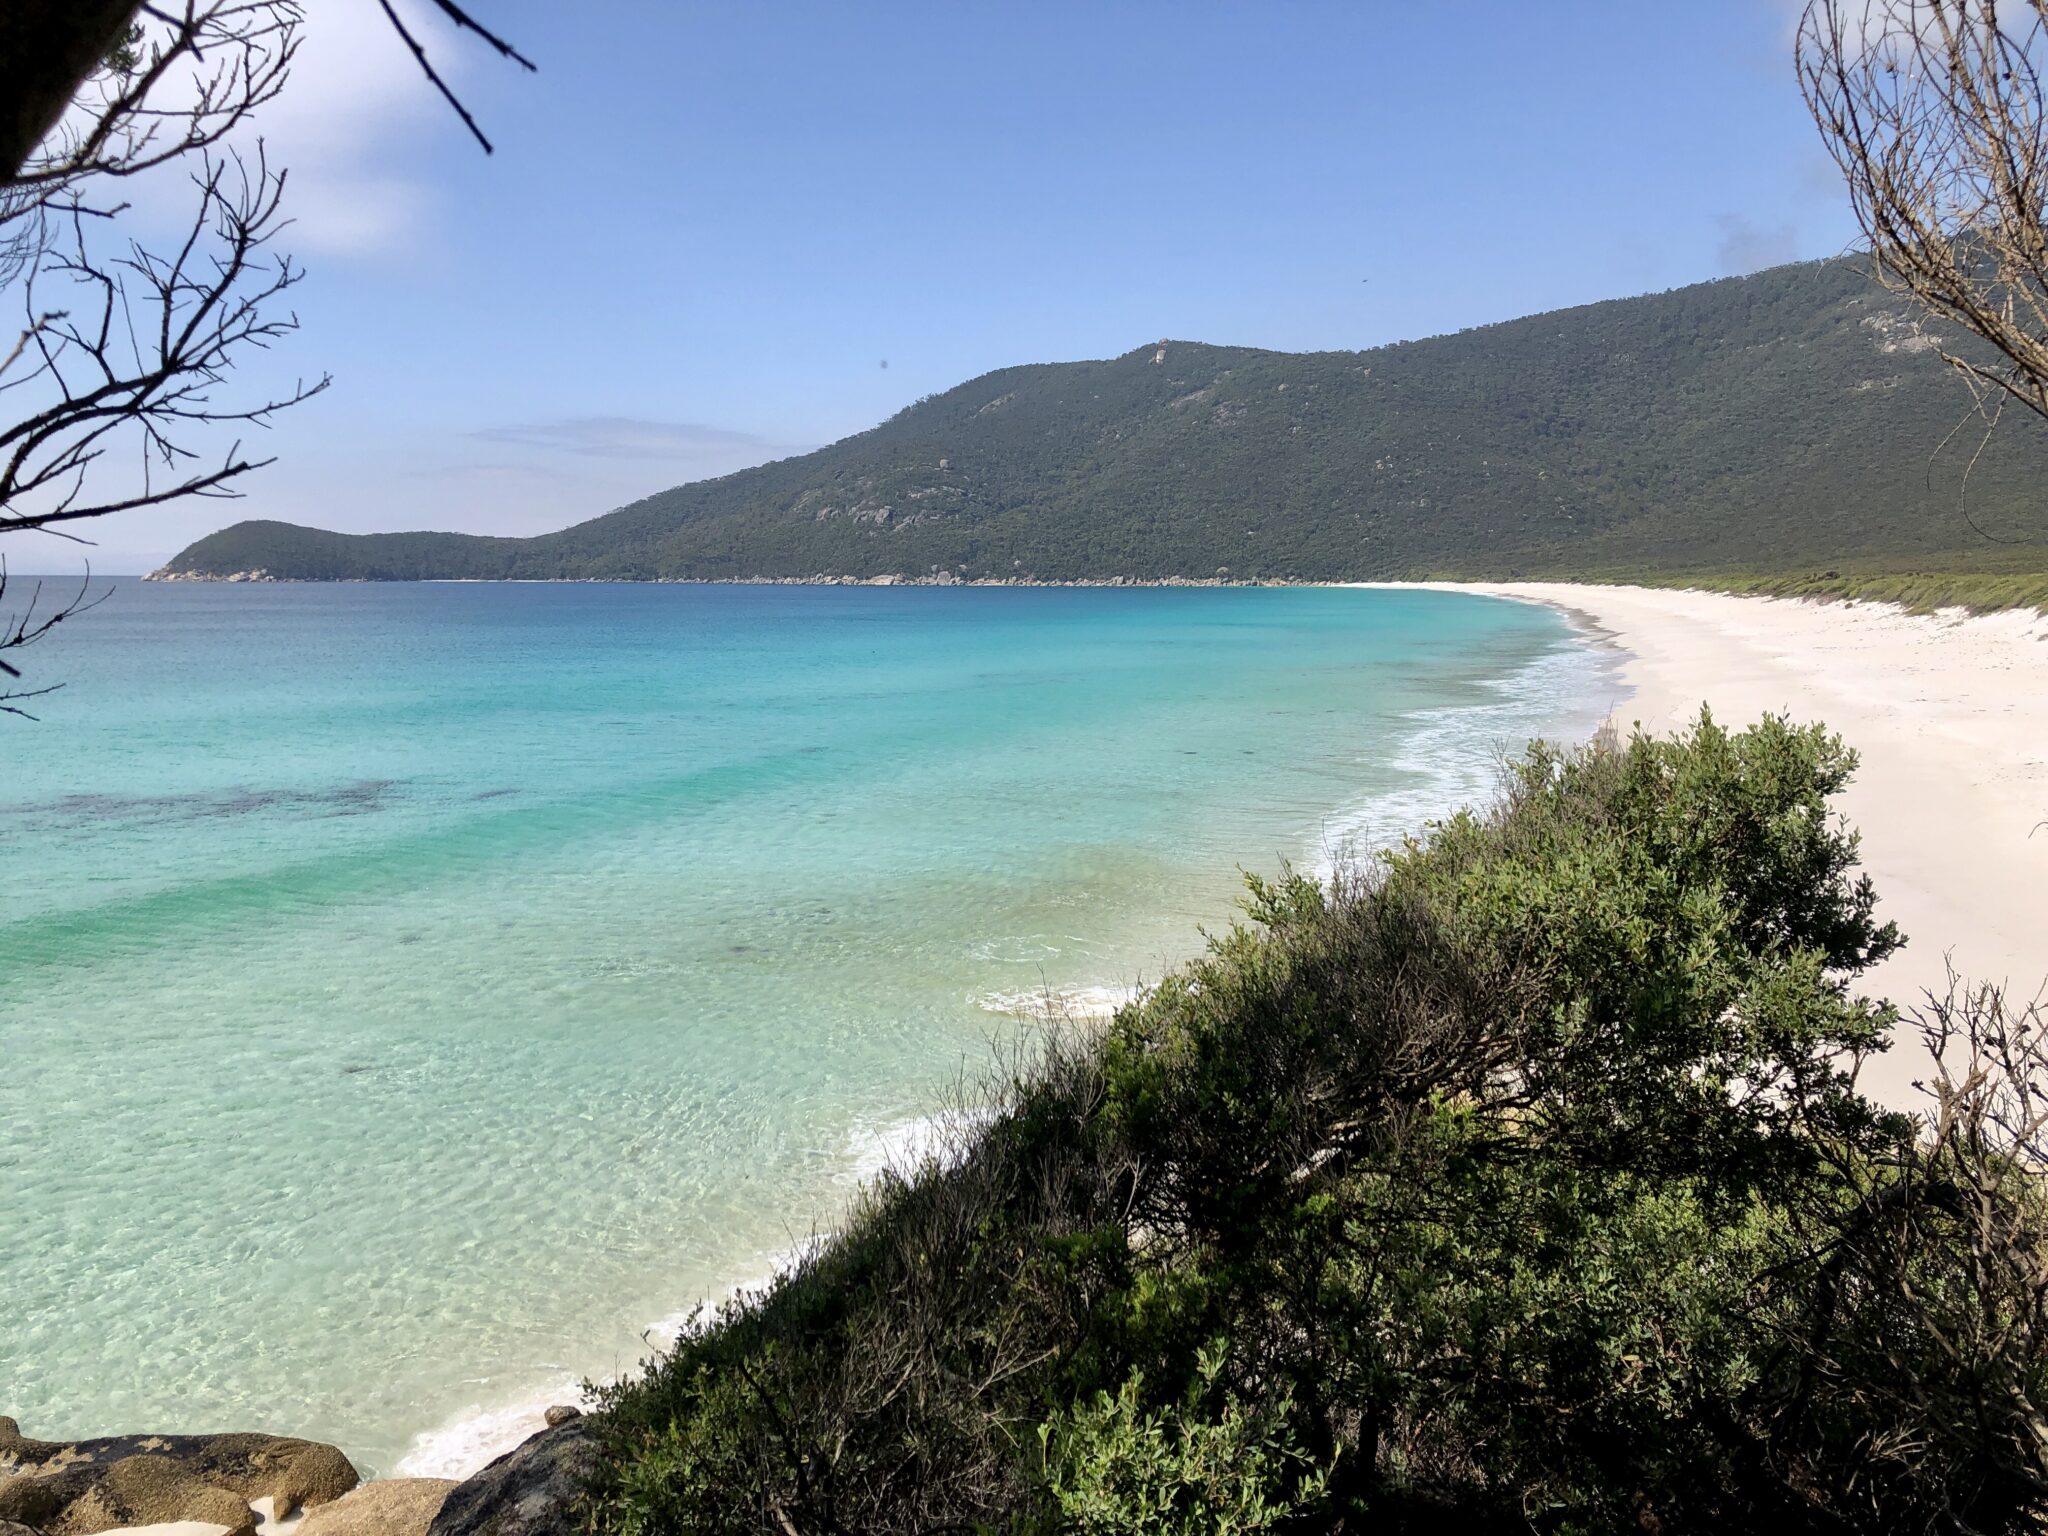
pixel 1786 420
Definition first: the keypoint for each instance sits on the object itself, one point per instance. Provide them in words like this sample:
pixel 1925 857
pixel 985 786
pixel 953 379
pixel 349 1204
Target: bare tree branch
pixel 123 362
pixel 145 351
pixel 426 66
pixel 122 365
pixel 191 76
pixel 464 22
pixel 28 625
pixel 45 51
pixel 1935 112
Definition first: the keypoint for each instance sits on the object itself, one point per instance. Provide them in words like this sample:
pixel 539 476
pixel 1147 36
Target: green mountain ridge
pixel 1792 418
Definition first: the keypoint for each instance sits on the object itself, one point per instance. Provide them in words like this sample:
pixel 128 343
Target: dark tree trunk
pixel 47 48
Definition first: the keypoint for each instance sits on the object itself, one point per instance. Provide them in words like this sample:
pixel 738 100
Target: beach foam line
pixel 473 1437
pixel 1948 713
pixel 1060 1004
pixel 1452 756
pixel 476 1435
pixel 904 1147
pixel 669 1330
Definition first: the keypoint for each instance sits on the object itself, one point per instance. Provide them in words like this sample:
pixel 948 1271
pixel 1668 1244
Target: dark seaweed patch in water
pixel 359 797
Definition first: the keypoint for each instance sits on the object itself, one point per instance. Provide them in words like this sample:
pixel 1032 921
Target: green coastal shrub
pixel 1516 1181
pixel 1114 1468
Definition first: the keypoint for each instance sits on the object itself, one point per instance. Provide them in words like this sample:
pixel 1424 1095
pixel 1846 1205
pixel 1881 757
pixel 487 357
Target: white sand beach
pixel 1950 715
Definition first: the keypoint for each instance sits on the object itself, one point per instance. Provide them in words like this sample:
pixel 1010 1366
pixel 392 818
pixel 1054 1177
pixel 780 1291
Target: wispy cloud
pixel 346 125
pixel 627 437
pixel 354 102
pixel 480 473
pixel 1746 246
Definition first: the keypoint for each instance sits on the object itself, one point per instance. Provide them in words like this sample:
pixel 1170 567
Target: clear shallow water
pixel 408 994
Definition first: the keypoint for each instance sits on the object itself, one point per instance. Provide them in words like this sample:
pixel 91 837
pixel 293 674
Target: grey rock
pixel 534 1490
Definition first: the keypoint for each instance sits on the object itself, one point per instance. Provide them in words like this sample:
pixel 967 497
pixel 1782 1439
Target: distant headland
pixel 1758 426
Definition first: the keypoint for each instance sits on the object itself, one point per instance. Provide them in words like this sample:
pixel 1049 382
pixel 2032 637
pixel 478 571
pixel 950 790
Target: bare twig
pixel 462 19
pixel 125 352
pixel 26 627
pixel 146 352
pixel 469 23
pixel 1935 112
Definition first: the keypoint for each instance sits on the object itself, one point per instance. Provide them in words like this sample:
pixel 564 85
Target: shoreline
pixel 460 1444
pixel 1949 715
pixel 1949 712
pixel 467 1439
pixel 262 577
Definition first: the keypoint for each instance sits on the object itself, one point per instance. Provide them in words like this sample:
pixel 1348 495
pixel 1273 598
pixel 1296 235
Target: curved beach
pixel 1949 712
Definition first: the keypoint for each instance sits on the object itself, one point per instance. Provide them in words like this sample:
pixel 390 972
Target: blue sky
pixel 707 228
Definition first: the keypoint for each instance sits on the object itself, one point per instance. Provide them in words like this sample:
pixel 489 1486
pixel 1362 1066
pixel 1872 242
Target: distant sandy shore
pixel 1950 716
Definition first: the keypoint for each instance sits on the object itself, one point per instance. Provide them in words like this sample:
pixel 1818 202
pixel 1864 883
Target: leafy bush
pixel 1517 1181
pixel 1113 1468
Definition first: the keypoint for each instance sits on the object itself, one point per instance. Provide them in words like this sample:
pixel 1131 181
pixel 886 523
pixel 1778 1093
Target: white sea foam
pixel 472 1438
pixel 1058 1004
pixel 668 1330
pixel 1451 759
pixel 476 1436
pixel 906 1146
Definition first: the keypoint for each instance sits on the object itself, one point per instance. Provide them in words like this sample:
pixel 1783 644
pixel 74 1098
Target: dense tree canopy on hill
pixel 1794 418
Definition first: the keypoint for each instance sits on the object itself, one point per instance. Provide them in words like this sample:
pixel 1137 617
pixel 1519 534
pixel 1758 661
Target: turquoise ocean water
pixel 411 995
